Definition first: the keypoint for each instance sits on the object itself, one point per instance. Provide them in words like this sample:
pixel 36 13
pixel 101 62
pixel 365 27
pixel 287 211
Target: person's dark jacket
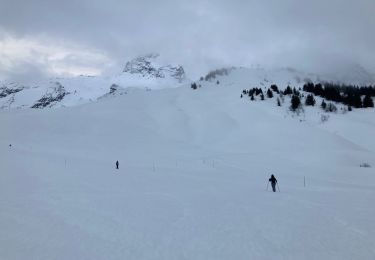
pixel 272 179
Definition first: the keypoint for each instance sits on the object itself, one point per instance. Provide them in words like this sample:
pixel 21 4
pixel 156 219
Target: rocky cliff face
pixel 148 66
pixel 10 89
pixel 50 98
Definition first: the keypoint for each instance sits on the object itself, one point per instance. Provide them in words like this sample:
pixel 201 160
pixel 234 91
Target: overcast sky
pixel 46 38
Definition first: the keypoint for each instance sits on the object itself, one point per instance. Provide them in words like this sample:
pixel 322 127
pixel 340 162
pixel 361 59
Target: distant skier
pixel 117 164
pixel 273 182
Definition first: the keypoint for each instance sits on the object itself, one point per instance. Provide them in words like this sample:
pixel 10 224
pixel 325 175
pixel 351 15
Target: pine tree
pixel 296 92
pixel 275 88
pixel 261 96
pixel 368 102
pixel 308 87
pixel 295 102
pixel 310 101
pixel 258 91
pixel 269 93
pixel 252 98
pixel 318 90
pixel 357 101
pixel 288 91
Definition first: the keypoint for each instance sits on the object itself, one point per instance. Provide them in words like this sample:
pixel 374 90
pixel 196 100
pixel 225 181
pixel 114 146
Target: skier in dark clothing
pixel 117 164
pixel 273 182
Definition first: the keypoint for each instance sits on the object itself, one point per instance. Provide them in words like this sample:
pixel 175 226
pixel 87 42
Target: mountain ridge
pixel 148 72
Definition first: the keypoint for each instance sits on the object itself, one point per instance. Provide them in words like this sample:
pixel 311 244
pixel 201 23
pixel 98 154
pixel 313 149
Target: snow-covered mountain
pixel 192 183
pixel 260 77
pixel 148 72
pixel 148 67
pixel 145 72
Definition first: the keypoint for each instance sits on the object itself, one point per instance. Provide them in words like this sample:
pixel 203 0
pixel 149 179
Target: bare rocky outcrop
pixel 147 66
pixel 10 89
pixel 51 98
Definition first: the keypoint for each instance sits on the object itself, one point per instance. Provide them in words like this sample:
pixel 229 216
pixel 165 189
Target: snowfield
pixel 194 166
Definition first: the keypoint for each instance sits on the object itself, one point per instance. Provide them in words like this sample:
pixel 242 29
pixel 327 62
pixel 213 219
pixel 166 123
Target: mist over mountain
pixel 195 130
pixel 152 72
pixel 195 159
pixel 201 36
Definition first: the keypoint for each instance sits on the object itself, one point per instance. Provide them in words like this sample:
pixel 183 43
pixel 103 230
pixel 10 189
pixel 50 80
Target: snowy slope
pixel 192 181
pixel 261 77
pixel 150 72
pixel 142 72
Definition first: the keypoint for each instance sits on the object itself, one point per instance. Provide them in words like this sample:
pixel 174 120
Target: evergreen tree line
pixel 291 91
pixel 346 94
pixel 296 97
pixel 253 92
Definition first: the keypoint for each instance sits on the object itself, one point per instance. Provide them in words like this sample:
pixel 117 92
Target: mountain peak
pixel 149 66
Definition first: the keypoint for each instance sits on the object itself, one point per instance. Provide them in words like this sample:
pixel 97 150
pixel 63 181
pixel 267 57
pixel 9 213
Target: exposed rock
pixel 51 98
pixel 147 67
pixel 175 72
pixel 114 90
pixel 142 65
pixel 8 103
pixel 10 89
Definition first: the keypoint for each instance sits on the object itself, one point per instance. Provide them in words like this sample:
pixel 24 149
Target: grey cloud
pixel 206 34
pixel 26 73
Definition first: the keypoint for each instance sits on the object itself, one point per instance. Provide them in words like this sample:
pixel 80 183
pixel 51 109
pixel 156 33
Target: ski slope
pixel 194 166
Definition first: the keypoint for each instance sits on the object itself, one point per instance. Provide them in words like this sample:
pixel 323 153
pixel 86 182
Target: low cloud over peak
pixel 91 37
